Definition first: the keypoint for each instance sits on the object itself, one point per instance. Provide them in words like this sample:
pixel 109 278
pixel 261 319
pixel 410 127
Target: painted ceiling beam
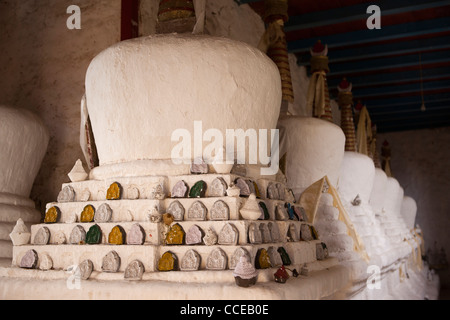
pixel 393 32
pixel 401 101
pixel 423 119
pixel 419 122
pixel 357 12
pixel 402 89
pixel 379 50
pixel 358 67
pixel 407 126
pixel 410 108
pixel 429 113
pixel 392 78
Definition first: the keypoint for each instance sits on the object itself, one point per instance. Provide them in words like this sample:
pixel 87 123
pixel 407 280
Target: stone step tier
pixel 144 200
pixel 141 210
pixel 246 231
pixel 149 187
pixel 65 256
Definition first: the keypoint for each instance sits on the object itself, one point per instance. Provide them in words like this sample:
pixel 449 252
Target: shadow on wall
pixel 43 66
pixel 419 162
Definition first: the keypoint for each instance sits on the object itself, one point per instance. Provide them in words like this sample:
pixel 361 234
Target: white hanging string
pixel 423 107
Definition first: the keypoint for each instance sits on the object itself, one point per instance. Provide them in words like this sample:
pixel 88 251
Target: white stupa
pixel 23 141
pixel 138 94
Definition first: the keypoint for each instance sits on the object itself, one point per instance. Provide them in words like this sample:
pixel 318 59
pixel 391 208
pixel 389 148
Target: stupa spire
pixel 345 101
pixel 318 97
pixel 364 135
pixel 275 45
pixel 181 16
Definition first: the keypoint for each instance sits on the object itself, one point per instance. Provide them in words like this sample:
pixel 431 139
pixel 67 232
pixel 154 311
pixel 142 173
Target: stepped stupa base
pixel 329 279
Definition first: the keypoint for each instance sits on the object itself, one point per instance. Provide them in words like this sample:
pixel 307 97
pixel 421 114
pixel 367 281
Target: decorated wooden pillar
pixel 318 97
pixel 345 101
pixel 275 45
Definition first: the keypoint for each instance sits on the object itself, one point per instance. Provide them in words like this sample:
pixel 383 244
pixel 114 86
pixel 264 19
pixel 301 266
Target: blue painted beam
pixel 393 32
pixel 392 78
pixel 416 114
pixel 416 120
pixel 410 109
pixel 347 68
pixel 401 89
pixel 410 125
pixel 410 106
pixel 378 51
pixel 373 105
pixel 423 119
pixel 414 123
pixel 358 12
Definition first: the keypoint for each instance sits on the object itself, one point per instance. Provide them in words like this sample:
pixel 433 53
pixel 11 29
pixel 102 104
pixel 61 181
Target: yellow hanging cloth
pixel 420 248
pixel 364 139
pixel 315 99
pixel 310 200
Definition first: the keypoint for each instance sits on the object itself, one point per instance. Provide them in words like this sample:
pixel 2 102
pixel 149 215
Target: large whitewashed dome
pixel 140 91
pixel 357 177
pixel 314 149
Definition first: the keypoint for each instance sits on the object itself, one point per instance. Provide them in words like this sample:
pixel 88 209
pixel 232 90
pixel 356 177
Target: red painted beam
pixel 395 19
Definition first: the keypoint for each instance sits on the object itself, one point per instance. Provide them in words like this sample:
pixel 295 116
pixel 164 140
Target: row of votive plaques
pixel 229 235
pixel 219 260
pixel 219 188
pixel 114 192
pixel 117 236
pixel 110 264
pixel 220 211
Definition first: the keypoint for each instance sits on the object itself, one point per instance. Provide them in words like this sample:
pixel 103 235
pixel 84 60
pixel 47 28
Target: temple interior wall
pixel 420 164
pixel 43 66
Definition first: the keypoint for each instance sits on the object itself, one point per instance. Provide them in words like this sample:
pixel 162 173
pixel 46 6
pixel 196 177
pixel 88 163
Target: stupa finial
pixel 274 44
pixel 181 16
pixel 318 97
pixel 345 101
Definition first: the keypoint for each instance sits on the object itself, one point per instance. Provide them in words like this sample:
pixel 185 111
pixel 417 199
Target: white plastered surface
pixel 140 91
